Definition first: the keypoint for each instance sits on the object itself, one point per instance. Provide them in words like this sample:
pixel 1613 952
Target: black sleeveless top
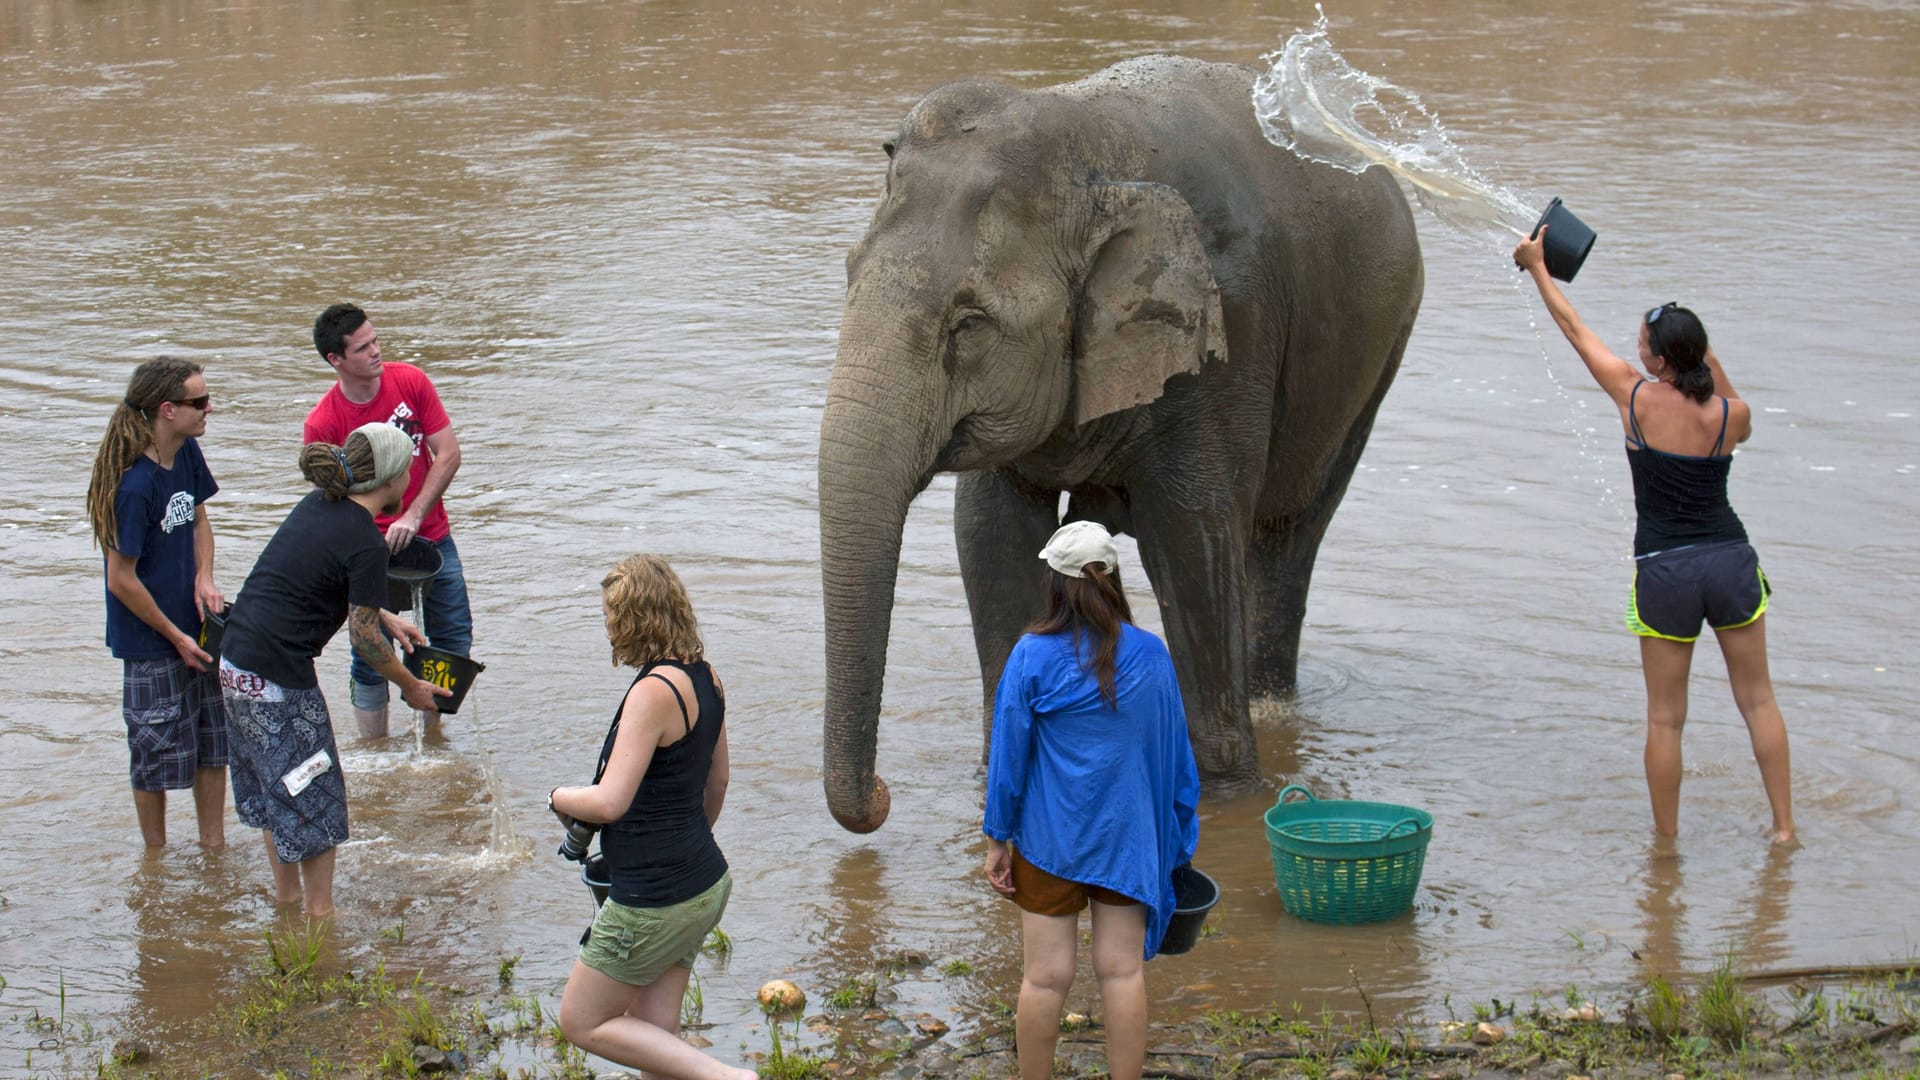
pixel 661 851
pixel 1681 500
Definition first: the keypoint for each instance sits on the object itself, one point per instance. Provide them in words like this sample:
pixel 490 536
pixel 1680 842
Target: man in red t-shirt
pixel 371 390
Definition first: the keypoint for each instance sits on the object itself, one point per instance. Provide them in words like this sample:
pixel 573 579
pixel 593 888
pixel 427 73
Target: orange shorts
pixel 1037 891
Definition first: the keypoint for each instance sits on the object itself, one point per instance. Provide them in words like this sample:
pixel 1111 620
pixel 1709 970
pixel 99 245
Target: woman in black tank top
pixel 1693 562
pixel 661 780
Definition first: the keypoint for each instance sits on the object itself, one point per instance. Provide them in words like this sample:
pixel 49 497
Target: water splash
pixel 1313 102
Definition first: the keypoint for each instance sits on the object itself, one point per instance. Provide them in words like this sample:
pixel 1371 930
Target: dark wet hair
pixel 330 330
pixel 1091 606
pixel 1676 335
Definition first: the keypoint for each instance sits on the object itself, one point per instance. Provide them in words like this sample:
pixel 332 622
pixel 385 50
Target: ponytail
pixel 1677 336
pixel 336 469
pixel 1695 382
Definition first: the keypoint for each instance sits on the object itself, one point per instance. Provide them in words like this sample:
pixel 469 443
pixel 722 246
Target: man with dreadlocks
pixel 147 505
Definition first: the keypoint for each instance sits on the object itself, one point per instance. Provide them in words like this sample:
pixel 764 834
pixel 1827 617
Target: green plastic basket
pixel 1346 861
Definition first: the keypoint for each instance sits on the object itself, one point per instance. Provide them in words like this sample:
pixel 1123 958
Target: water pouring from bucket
pixel 1313 102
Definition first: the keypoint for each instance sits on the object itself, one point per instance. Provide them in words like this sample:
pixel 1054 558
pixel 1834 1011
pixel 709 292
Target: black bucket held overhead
pixel 415 564
pixel 213 626
pixel 1568 240
pixel 447 670
pixel 1194 895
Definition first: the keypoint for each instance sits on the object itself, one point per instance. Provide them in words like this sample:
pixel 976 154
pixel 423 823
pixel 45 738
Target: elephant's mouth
pixel 963 450
pixel 953 454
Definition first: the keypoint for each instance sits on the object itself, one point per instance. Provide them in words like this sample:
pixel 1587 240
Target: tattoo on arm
pixel 363 629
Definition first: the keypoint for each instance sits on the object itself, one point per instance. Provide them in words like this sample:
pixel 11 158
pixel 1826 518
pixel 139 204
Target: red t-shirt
pixel 407 401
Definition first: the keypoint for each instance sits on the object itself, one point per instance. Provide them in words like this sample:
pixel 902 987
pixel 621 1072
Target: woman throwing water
pixel 1091 799
pixel 1692 562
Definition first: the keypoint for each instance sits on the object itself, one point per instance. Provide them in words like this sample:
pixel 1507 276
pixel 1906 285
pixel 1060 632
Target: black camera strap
pixel 606 747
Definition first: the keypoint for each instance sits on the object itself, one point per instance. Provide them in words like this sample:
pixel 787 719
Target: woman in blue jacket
pixel 1091 798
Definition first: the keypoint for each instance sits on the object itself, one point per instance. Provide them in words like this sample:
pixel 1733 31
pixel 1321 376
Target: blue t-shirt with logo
pixel 154 511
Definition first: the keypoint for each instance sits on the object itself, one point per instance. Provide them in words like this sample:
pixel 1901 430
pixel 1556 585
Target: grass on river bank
pixel 289 1020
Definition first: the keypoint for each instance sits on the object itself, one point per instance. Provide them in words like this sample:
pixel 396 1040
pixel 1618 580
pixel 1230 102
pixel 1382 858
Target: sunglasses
pixel 1654 315
pixel 199 403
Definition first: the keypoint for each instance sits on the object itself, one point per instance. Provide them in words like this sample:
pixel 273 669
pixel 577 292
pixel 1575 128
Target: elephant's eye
pixel 969 322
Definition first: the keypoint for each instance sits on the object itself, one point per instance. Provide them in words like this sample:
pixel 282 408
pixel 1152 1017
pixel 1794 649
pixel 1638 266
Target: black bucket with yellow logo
pixel 444 669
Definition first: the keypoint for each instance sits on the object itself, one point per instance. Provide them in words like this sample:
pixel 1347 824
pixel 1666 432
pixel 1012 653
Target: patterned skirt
pixel 285 767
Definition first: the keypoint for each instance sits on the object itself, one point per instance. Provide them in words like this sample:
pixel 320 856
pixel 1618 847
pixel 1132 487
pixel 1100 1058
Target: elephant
pixel 1117 290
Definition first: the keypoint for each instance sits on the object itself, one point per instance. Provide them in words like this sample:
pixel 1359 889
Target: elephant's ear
pixel 1150 309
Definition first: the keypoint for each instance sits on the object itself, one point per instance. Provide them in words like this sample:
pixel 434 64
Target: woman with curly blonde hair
pixel 659 787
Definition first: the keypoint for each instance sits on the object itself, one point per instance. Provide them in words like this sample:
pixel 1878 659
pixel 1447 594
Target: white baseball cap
pixel 1078 543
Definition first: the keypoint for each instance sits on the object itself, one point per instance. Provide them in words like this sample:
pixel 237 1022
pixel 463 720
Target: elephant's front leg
pixel 1000 525
pixel 1197 567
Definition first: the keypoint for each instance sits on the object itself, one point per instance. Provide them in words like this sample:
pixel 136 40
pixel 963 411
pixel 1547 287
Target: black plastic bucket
pixel 1194 894
pixel 1568 240
pixel 599 882
pixel 213 626
pixel 448 670
pixel 418 562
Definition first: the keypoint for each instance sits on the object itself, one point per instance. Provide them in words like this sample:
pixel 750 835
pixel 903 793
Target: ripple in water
pixel 1313 102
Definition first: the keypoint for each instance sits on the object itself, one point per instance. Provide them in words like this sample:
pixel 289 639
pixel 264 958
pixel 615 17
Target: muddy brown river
pixel 614 236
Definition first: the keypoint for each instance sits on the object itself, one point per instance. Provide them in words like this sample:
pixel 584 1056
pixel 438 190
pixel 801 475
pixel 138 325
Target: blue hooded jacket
pixel 1092 793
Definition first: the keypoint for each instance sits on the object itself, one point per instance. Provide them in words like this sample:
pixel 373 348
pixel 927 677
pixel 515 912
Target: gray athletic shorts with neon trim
pixel 1675 591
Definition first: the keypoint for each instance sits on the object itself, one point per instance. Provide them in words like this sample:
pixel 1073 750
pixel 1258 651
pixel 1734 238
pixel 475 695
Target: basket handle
pixel 1391 833
pixel 1290 789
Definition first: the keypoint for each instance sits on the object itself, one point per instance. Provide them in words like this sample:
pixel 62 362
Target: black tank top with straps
pixel 661 851
pixel 1681 500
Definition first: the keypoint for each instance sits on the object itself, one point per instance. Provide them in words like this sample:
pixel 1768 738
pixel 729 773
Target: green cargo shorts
pixel 636 945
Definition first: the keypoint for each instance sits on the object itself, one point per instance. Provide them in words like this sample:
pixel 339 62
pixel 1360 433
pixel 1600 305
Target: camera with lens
pixel 579 836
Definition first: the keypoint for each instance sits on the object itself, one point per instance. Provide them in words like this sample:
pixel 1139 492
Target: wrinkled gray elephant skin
pixel 1115 289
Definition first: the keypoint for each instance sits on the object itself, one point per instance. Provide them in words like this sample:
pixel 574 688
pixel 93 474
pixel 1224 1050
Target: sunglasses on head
pixel 1654 315
pixel 199 403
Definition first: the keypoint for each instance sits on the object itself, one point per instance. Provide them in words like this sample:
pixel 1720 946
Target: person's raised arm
pixel 1614 375
pixel 1739 414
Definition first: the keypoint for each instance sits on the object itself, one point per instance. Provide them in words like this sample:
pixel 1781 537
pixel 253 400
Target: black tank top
pixel 1681 500
pixel 662 851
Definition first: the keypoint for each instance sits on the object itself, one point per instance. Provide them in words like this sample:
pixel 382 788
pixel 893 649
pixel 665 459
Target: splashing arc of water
pixel 1311 101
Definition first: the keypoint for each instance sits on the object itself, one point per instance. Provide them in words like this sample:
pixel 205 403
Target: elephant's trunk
pixel 877 444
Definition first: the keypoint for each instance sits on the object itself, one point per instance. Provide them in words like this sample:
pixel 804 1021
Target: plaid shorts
pixel 176 724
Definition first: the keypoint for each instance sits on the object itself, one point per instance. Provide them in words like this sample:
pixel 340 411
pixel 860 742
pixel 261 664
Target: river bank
pixel 293 1019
